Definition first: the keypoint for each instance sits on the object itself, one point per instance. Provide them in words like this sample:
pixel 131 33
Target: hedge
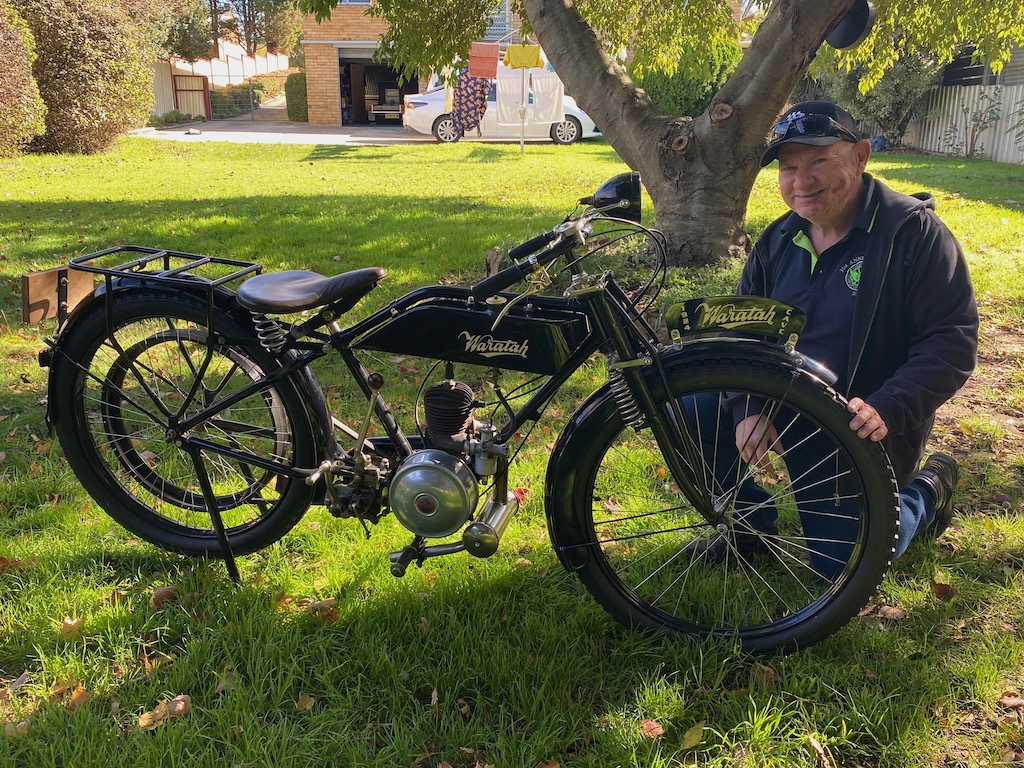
pixel 689 90
pixel 93 68
pixel 22 112
pixel 295 96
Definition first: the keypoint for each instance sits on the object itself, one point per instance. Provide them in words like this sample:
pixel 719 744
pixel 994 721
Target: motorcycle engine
pixel 434 492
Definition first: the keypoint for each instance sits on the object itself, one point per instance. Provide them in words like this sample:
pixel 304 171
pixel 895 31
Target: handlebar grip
pixel 531 246
pixel 495 283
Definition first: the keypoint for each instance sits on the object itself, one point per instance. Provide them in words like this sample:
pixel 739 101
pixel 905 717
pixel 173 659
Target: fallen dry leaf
pixel 9 565
pixel 162 595
pixel 943 591
pixel 226 677
pixel 651 729
pixel 6 691
pixel 764 674
pixel 1011 700
pixel 71 628
pixel 179 706
pixel 892 613
pixel 693 736
pixel 15 730
pixel 424 623
pixel 78 698
pixel 822 755
pixel 551 764
pixel 305 702
pixel 58 691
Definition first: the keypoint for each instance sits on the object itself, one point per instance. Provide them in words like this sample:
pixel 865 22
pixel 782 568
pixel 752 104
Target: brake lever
pixel 536 283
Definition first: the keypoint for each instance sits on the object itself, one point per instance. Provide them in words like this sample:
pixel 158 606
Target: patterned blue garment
pixel 469 101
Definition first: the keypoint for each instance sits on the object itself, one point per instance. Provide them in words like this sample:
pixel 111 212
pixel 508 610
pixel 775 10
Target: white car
pixel 425 113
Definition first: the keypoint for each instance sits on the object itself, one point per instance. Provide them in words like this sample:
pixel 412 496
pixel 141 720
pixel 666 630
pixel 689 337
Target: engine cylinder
pixel 433 493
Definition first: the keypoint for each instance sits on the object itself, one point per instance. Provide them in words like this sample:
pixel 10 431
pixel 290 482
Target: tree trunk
pixel 698 172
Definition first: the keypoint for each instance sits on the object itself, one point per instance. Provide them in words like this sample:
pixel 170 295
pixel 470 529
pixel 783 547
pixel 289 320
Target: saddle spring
pixel 270 332
pixel 624 399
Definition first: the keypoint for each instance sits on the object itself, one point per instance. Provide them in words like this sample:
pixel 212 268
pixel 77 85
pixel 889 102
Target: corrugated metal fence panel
pixel 946 128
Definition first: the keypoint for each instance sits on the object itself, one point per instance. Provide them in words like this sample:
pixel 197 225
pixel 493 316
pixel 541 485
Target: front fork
pixel 629 357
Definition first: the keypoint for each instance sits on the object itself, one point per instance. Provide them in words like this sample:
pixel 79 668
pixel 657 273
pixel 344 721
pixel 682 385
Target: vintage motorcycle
pixel 188 411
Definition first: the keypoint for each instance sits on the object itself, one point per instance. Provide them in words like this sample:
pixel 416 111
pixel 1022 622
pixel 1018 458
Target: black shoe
pixel 733 545
pixel 940 473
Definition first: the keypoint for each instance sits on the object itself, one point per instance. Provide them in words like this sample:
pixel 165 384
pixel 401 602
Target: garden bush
pixel 268 86
pixel 295 95
pixel 94 71
pixel 22 112
pixel 689 90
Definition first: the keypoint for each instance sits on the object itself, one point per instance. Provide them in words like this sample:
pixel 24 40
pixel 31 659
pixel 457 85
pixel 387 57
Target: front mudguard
pixel 589 419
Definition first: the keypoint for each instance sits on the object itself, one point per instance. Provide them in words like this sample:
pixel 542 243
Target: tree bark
pixel 699 172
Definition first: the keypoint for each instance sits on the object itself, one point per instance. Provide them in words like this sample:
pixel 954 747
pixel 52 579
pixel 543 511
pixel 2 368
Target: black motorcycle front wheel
pixel 124 377
pixel 791 551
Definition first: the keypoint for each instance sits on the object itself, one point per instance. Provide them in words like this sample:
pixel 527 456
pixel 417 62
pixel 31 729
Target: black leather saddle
pixel 296 289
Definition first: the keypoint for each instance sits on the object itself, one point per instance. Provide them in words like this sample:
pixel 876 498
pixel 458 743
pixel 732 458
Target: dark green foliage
pixel 21 108
pixel 295 95
pixel 188 31
pixel 93 68
pixel 689 90
pixel 892 100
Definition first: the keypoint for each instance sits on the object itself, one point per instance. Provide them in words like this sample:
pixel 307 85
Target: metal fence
pixel 976 120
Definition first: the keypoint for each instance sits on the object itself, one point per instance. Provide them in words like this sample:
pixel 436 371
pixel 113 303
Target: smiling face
pixel 823 184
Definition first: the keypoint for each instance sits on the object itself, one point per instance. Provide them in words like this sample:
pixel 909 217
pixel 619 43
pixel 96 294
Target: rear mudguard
pixel 224 300
pixel 562 470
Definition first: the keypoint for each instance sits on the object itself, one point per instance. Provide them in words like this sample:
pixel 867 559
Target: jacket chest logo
pixel 851 272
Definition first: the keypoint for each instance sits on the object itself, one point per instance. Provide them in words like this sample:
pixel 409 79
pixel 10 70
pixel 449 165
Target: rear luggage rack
pixel 156 266
pixel 162 266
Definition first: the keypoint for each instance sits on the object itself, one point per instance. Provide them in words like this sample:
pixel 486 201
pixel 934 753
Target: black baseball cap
pixel 818 123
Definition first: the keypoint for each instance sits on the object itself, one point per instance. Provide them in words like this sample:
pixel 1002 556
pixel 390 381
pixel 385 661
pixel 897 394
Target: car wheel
pixel 566 132
pixel 444 130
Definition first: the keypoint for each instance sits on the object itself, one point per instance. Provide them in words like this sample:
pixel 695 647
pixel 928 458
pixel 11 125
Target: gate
pixel 192 95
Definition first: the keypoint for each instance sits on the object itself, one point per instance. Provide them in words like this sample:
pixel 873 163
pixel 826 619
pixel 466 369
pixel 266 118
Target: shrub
pixel 690 89
pixel 295 95
pixel 93 69
pixel 172 118
pixel 22 112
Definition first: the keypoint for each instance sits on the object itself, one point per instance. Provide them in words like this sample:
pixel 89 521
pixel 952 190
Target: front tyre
pixel 119 392
pixel 652 560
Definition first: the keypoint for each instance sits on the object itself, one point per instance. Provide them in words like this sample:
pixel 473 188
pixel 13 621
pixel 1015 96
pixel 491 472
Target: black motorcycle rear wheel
pixel 620 521
pixel 120 386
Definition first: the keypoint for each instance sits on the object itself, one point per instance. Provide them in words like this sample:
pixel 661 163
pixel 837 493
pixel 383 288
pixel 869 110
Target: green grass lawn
pixel 505 661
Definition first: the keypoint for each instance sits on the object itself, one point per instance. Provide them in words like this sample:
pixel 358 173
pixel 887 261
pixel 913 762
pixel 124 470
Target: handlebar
pixel 531 246
pixel 502 280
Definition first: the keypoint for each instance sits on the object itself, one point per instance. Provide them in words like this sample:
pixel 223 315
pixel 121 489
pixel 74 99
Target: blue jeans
pixel 829 516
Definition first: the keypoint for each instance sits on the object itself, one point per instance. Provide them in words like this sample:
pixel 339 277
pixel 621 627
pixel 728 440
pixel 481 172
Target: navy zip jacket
pixel 914 339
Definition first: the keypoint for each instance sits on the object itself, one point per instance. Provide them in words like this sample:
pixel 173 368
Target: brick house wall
pixel 321 42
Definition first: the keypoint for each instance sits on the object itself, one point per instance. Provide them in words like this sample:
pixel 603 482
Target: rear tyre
pixel 641 546
pixel 119 394
pixel 568 131
pixel 444 130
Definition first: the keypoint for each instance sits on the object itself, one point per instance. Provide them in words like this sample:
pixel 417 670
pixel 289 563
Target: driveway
pixel 269 124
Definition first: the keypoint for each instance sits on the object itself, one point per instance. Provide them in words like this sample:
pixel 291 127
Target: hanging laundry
pixel 547 96
pixel 523 56
pixel 469 101
pixel 510 94
pixel 483 59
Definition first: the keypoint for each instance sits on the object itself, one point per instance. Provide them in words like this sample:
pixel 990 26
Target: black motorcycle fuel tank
pixel 537 335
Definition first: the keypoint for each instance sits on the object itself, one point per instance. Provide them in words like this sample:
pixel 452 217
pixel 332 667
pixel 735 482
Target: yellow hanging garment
pixel 523 56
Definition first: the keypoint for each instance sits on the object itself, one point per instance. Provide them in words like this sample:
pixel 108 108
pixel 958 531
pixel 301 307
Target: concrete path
pixel 270 125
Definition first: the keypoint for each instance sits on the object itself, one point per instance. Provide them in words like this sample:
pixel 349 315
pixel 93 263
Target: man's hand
pixel 866 421
pixel 754 436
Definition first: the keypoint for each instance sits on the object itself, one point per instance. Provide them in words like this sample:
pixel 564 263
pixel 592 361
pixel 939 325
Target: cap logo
pixel 794 116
